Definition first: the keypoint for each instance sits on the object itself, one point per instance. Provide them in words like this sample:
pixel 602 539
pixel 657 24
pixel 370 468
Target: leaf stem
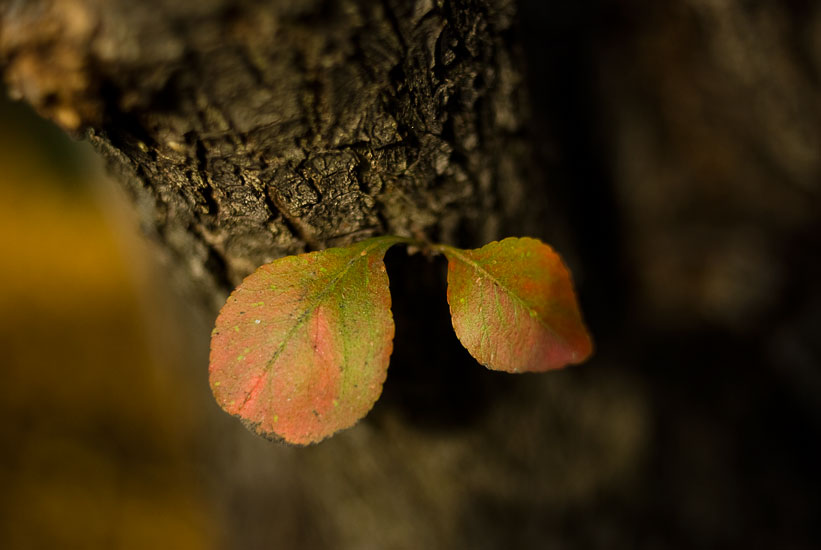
pixel 425 246
pixel 440 248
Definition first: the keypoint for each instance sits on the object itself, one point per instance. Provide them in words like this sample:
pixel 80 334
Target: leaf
pixel 301 348
pixel 513 306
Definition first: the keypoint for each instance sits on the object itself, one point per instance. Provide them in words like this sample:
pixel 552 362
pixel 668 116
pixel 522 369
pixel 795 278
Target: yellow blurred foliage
pixel 97 442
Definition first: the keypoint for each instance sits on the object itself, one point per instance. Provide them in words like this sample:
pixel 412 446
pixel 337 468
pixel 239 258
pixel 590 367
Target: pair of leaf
pixel 301 348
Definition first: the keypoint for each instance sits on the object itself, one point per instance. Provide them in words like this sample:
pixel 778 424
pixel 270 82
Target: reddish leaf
pixel 513 306
pixel 301 348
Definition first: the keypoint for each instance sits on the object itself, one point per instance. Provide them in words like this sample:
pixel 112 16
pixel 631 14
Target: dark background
pixel 681 144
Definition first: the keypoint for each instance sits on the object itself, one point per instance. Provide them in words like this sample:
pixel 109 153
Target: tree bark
pixel 248 131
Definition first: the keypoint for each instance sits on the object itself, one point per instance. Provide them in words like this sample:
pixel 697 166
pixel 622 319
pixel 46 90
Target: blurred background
pixel 684 143
pixel 98 425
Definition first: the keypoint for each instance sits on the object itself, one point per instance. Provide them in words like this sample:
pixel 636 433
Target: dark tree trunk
pixel 247 131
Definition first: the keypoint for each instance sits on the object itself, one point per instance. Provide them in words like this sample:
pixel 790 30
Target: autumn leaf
pixel 301 348
pixel 513 306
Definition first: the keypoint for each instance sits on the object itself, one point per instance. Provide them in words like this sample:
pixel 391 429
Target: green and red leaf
pixel 513 306
pixel 301 348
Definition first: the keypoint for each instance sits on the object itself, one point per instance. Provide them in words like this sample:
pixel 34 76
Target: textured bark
pixel 247 131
